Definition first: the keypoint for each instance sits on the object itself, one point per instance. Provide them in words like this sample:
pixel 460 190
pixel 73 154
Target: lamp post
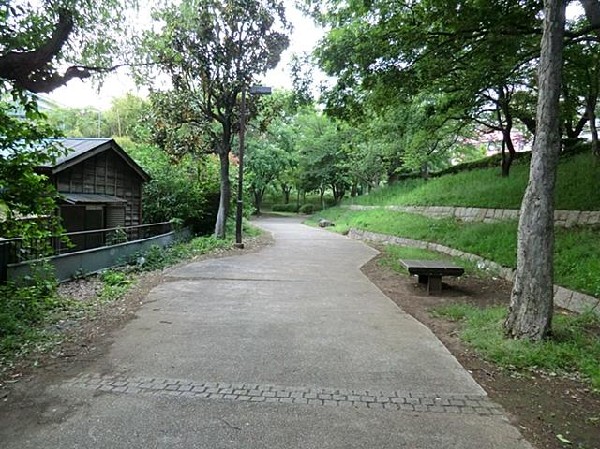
pixel 254 90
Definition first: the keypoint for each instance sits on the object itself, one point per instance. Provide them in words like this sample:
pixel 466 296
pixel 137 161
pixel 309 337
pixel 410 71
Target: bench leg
pixel 434 284
pixel 423 279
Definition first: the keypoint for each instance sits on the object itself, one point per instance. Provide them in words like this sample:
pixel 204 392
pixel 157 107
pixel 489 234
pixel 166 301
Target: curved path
pixel 290 347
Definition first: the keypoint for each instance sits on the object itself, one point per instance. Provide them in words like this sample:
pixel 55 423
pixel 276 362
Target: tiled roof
pixel 76 147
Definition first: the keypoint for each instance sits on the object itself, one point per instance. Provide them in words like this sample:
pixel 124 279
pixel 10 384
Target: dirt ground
pixel 541 406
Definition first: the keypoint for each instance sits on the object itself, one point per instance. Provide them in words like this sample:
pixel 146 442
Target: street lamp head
pixel 260 90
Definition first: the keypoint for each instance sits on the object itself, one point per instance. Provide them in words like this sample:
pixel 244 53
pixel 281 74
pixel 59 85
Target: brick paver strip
pixel 329 397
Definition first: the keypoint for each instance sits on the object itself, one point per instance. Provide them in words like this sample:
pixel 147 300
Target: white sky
pixel 80 94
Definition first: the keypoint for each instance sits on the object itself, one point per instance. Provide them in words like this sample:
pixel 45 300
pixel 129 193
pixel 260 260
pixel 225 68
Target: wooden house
pixel 99 184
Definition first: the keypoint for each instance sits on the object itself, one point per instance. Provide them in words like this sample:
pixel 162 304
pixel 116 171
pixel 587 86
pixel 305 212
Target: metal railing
pixel 18 250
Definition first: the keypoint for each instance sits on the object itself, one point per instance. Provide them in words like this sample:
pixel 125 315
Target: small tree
pixel 212 49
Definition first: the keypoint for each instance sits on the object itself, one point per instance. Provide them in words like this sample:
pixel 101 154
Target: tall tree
pixel 323 160
pixel 531 304
pixel 212 49
pixel 474 51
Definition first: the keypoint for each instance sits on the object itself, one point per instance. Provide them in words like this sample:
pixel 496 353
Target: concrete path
pixel 290 347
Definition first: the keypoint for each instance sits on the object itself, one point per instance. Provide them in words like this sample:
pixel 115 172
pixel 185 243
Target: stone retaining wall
pixel 565 298
pixel 565 218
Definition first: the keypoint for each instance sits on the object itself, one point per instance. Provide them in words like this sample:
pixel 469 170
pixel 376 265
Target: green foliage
pixel 323 163
pixel 157 258
pixel 27 199
pixel 573 347
pixel 306 209
pixel 271 155
pixel 290 207
pixel 212 50
pixel 25 306
pixel 577 261
pixel 186 189
pixel 55 34
pixel 486 188
pixel 127 117
pixel 75 122
pixel 115 284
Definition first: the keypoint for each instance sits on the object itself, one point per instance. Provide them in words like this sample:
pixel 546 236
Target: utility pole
pixel 240 193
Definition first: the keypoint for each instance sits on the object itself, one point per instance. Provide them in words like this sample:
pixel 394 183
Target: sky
pixel 83 93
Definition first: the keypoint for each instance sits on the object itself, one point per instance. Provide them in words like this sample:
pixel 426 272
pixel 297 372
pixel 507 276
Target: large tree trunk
pixel 225 195
pixel 531 302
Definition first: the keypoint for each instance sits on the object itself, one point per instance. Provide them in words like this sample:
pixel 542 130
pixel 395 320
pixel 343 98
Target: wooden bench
pixel 430 272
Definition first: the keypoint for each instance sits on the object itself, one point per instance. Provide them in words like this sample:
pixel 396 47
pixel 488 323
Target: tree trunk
pixel 592 115
pixel 507 143
pixel 286 193
pixel 322 192
pixel 258 195
pixel 507 159
pixel 531 302
pixel 225 195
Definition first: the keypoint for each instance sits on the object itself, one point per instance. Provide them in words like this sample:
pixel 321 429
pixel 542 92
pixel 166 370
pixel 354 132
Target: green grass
pixel 577 250
pixel 393 254
pixel 574 346
pixel 577 178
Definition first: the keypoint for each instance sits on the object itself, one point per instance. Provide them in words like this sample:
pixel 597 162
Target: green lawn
pixel 574 345
pixel 577 188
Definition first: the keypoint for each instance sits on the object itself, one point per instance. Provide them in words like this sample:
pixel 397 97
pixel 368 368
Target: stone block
pixel 572 219
pixel 594 218
pixel 583 303
pixel 562 297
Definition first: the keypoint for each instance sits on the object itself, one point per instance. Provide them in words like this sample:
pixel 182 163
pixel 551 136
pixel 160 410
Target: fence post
pixel 4 247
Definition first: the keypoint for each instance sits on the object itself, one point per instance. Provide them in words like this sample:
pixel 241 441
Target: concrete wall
pixel 565 298
pixel 565 218
pixel 92 260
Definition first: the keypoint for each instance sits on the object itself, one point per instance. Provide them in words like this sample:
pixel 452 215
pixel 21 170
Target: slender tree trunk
pixel 507 125
pixel 507 157
pixel 322 192
pixel 286 193
pixel 225 194
pixel 592 115
pixel 531 302
pixel 258 195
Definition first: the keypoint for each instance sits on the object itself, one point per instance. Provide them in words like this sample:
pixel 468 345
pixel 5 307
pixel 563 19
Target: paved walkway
pixel 290 347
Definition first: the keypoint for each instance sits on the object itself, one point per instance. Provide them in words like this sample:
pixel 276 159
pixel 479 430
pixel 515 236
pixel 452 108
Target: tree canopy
pixel 211 50
pixel 39 39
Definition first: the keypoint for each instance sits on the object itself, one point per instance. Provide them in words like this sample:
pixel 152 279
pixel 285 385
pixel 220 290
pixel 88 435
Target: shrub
pixel 27 304
pixel 307 209
pixel 187 190
pixel 285 208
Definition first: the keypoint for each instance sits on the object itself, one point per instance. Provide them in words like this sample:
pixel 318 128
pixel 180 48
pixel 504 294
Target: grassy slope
pixel 578 187
pixel 577 252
